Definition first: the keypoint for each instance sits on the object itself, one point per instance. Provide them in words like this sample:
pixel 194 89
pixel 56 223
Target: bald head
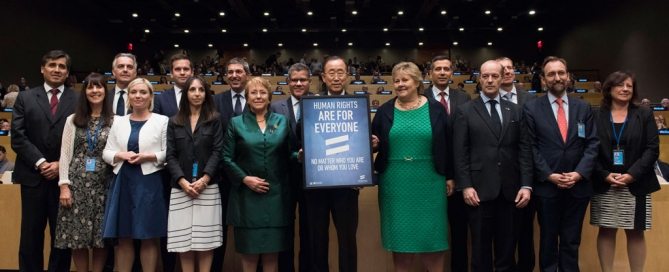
pixel 491 78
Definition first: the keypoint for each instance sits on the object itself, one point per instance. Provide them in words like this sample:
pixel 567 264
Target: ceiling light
pixel 280 44
pixel 176 45
pixel 350 44
pixel 532 12
pixel 401 12
pixel 221 13
pixel 387 44
pixel 309 13
pixel 385 29
pixel 499 29
pixel 264 30
pixel 315 44
pixel 147 30
pixel 135 15
pixel 462 29
pixel 304 30
pixel 420 44
pixel 343 30
pixel 355 12
pixel 455 43
pixel 540 29
pixel 489 43
pixel 266 13
pixel 443 12
pixel 186 31
pixel 176 14
pixel 224 30
pixel 210 45
pixel 246 45
pixel 421 29
pixel 487 12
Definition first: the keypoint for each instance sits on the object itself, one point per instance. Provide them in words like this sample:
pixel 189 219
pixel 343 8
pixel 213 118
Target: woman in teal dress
pixel 255 156
pixel 409 134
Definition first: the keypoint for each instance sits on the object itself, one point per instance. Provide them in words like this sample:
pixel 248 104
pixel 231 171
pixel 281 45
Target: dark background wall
pixel 633 36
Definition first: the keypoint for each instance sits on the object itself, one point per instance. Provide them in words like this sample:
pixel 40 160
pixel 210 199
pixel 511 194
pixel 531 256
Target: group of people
pixel 108 168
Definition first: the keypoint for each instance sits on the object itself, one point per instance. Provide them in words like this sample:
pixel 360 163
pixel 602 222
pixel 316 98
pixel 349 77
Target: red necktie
pixel 562 120
pixel 54 101
pixel 443 101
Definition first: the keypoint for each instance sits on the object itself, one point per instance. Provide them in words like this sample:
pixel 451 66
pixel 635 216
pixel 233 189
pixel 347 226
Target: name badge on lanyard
pixel 618 153
pixel 194 173
pixel 581 130
pixel 92 141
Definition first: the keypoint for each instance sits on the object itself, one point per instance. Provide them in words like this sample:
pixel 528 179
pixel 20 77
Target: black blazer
pixel 641 150
pixel 383 122
pixel 223 103
pixel 35 133
pixel 184 147
pixel 552 155
pixel 166 103
pixel 523 96
pixel 487 161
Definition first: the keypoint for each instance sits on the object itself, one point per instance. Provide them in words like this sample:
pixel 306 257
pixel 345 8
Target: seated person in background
pixel 5 165
pixel 379 90
pixel 645 102
pixel 665 103
pixel 520 86
pixel 278 90
pixel 376 76
pixel 357 80
pixel 219 79
pixel 10 97
pixel 597 87
pixel 5 125
pixel 461 87
pixel 659 122
pixel 163 80
pixel 375 104
pixel 365 89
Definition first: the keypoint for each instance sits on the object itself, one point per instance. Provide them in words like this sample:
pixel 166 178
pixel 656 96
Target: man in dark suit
pixel 299 81
pixel 124 69
pixel 493 163
pixel 37 127
pixel 167 103
pixel 525 216
pixel 229 104
pixel 564 146
pixel 342 203
pixel 441 71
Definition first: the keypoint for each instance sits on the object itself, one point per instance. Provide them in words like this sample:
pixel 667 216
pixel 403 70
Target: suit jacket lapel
pixel 506 118
pixel 572 128
pixel 480 108
pixel 43 102
pixel 550 117
pixel 288 103
pixel 65 103
pixel 172 97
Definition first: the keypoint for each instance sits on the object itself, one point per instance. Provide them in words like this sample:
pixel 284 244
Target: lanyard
pixel 93 140
pixel 616 135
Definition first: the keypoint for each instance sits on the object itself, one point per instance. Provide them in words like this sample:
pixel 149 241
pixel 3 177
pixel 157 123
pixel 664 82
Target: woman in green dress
pixel 409 134
pixel 255 156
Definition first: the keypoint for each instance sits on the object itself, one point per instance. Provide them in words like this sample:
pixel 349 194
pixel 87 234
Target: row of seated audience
pixel 183 165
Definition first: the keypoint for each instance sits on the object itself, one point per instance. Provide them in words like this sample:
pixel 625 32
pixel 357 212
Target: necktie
pixel 298 111
pixel 54 101
pixel 494 116
pixel 508 97
pixel 561 120
pixel 120 104
pixel 238 104
pixel 443 101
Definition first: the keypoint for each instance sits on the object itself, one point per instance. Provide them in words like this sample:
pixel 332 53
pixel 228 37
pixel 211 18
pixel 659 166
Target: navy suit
pixel 285 108
pixel 457 210
pixel 166 103
pixel 561 211
pixel 37 134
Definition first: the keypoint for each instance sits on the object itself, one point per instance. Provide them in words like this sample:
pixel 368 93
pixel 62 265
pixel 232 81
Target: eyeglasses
pixel 333 74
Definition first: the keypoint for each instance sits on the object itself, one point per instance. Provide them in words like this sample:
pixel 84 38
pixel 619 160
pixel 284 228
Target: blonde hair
pixel 258 81
pixel 410 69
pixel 140 81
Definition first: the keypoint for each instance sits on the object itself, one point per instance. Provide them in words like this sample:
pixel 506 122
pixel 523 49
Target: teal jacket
pixel 249 152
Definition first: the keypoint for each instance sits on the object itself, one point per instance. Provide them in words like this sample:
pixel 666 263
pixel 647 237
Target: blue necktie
pixel 238 104
pixel 120 105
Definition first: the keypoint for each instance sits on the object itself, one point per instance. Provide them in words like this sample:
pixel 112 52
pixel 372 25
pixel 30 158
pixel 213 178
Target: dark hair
pixel 333 58
pixel 180 56
pixel 438 58
pixel 298 67
pixel 2 149
pixel 552 59
pixel 82 114
pixel 208 110
pixel 240 61
pixel 56 54
pixel 615 79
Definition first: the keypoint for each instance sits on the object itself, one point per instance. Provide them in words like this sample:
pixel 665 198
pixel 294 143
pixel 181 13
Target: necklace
pixel 405 106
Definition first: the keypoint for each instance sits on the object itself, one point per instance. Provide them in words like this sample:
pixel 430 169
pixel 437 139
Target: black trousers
pixel 287 257
pixel 492 224
pixel 39 204
pixel 458 221
pixel 560 222
pixel 343 205
pixel 525 234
